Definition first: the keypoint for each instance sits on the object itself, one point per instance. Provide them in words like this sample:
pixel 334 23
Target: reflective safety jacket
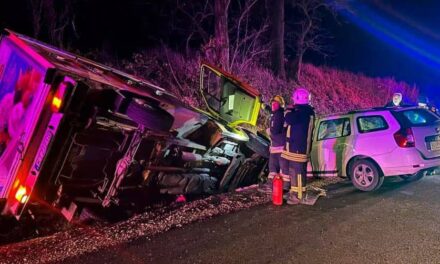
pixel 299 122
pixel 277 131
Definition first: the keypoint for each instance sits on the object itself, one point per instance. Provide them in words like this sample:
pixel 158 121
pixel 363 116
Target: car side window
pixel 371 123
pixel 334 128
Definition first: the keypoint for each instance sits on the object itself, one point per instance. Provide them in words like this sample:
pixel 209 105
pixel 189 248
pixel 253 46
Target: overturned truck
pixel 76 134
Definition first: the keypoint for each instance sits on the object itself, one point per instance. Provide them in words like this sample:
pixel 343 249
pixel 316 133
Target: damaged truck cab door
pixel 227 98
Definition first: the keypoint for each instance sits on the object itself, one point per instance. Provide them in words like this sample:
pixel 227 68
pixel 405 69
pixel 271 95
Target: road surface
pixel 398 224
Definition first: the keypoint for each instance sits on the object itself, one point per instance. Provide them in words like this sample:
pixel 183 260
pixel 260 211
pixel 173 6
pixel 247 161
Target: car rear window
pixel 417 117
pixel 371 123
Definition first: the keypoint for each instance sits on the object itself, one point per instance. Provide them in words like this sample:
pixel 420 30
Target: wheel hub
pixel 363 175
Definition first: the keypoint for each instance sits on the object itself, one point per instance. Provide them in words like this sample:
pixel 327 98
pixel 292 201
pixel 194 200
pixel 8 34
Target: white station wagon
pixel 368 145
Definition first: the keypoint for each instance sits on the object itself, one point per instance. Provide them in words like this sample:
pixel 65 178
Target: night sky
pixel 364 50
pixel 379 38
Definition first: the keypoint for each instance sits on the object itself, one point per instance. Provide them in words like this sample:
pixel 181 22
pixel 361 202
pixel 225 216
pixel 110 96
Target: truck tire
pixel 230 173
pixel 258 145
pixel 365 175
pixel 150 117
pixel 248 173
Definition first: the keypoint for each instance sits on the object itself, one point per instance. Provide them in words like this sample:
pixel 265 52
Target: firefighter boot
pixel 293 199
pixel 296 190
pixel 267 187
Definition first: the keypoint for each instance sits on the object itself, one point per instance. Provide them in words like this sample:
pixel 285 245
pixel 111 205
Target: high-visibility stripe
pixel 300 187
pixel 285 177
pixel 278 149
pixel 297 189
pixel 271 175
pixel 294 156
pixel 288 131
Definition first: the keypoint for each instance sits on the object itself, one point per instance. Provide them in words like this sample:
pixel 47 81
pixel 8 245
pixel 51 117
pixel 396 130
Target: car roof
pixel 369 110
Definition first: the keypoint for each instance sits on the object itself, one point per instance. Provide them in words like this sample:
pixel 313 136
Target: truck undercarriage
pixel 111 160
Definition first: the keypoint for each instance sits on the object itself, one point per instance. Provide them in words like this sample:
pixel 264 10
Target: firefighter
pixel 277 138
pixel 299 121
pixel 397 100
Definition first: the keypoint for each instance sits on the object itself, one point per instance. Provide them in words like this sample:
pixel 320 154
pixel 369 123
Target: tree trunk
pixel 297 66
pixel 297 62
pixel 277 37
pixel 221 32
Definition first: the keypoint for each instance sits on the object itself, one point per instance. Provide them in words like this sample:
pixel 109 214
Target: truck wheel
pixel 365 175
pixel 248 173
pixel 413 177
pixel 258 145
pixel 230 173
pixel 149 116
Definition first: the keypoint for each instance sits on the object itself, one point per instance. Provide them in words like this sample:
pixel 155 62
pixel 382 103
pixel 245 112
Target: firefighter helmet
pixel 397 99
pixel 279 99
pixel 301 96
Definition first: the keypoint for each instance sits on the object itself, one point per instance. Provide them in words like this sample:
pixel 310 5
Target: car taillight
pixel 405 138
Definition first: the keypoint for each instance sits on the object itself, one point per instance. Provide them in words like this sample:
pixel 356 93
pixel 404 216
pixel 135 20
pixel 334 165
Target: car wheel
pixel 150 117
pixel 365 175
pixel 413 177
pixel 258 145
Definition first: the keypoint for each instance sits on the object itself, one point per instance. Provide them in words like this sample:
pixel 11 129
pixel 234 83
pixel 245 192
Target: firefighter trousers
pixel 297 171
pixel 276 164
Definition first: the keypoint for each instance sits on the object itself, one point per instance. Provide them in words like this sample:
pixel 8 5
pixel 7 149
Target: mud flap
pixel 69 212
pixel 312 194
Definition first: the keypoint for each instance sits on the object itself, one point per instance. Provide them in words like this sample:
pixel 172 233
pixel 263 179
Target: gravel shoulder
pixel 397 224
pixel 82 240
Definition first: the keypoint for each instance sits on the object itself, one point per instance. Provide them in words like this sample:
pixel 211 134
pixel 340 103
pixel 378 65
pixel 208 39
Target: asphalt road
pixel 398 224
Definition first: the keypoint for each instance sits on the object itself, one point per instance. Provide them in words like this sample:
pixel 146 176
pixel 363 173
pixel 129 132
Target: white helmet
pixel 301 96
pixel 397 99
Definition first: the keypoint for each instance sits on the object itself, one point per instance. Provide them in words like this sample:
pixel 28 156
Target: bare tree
pixel 221 32
pixel 247 31
pixel 309 34
pixel 233 39
pixel 199 13
pixel 36 7
pixel 276 13
pixel 52 18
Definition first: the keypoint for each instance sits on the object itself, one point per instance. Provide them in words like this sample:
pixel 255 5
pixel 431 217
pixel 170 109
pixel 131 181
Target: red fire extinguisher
pixel 277 190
